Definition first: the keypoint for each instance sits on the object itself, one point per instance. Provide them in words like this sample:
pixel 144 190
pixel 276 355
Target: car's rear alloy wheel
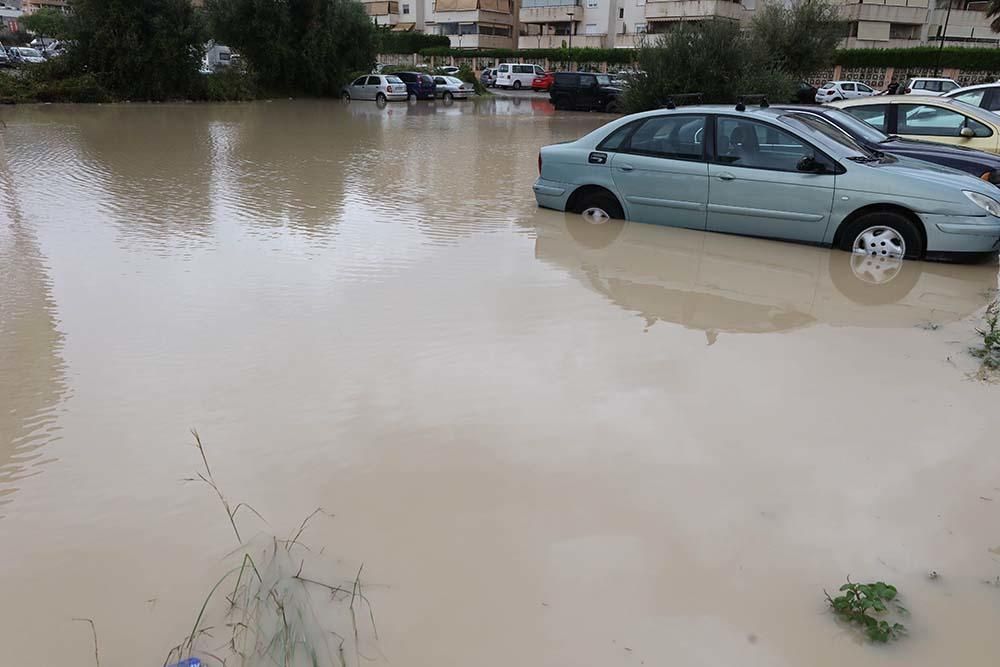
pixel 346 97
pixel 883 234
pixel 380 99
pixel 517 85
pixel 447 97
pixel 600 207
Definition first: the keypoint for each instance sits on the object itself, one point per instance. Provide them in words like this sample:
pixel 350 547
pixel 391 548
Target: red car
pixel 543 82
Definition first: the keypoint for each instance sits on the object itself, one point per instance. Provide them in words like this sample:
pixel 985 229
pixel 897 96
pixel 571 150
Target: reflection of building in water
pixel 721 283
pixel 31 369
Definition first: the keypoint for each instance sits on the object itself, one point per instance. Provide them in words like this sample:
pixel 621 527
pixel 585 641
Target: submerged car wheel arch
pixel 881 208
pixel 573 203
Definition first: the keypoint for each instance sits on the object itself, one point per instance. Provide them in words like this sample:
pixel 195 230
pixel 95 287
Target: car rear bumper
pixel 396 97
pixel 551 194
pixel 959 234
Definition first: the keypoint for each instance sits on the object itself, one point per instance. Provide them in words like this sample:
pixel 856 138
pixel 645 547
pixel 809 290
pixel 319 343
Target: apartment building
pixel 473 24
pixel 611 23
pixel 397 14
pixel 905 23
pixel 29 6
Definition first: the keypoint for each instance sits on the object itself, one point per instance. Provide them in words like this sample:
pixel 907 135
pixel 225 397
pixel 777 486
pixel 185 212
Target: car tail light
pixel 388 89
pixel 906 91
pixel 539 163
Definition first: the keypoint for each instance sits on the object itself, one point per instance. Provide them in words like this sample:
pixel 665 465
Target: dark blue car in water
pixel 978 163
pixel 419 85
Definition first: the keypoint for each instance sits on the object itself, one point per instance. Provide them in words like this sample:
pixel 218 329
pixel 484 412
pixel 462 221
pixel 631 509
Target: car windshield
pixel 854 126
pixel 811 124
pixel 604 79
pixel 393 79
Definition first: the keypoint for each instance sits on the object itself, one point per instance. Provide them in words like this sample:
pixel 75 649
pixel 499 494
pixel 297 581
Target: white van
pixel 517 76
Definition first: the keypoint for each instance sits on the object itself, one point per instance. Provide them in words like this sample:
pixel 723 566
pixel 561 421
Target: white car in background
pixel 452 88
pixel 930 85
pixel 983 95
pixel 843 90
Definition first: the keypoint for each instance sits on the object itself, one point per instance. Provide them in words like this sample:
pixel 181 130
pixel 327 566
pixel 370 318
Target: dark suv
pixel 584 90
pixel 419 85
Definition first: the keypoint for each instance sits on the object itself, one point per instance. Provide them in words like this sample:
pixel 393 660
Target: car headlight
pixel 988 204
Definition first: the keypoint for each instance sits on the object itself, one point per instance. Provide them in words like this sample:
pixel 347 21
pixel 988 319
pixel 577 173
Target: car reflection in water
pixel 718 283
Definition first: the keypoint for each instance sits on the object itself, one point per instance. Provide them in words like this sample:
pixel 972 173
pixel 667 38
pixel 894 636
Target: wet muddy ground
pixel 549 443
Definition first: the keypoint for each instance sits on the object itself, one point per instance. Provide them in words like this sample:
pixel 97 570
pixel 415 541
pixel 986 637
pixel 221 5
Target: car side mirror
pixel 967 132
pixel 810 165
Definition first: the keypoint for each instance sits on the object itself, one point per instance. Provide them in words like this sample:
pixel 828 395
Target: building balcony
pixel 556 41
pixel 963 25
pixel 549 11
pixel 891 11
pixel 481 42
pixel 693 10
pixel 473 16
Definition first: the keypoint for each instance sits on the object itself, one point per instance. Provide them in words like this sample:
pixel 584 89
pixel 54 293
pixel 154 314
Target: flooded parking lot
pixel 548 442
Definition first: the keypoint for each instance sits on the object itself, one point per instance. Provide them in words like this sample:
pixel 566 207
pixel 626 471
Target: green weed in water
pixel 866 605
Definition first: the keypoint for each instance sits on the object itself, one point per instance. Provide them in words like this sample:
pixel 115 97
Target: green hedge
pixel 576 55
pixel 408 42
pixel 923 56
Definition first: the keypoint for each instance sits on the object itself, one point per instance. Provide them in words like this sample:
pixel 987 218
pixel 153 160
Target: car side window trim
pixel 820 154
pixel 629 128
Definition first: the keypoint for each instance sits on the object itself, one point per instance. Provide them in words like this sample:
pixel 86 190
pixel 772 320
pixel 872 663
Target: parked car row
pixel 406 86
pixel 13 56
pixel 818 175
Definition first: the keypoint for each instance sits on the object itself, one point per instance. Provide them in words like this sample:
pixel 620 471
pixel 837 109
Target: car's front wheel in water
pixel 346 97
pixel 883 234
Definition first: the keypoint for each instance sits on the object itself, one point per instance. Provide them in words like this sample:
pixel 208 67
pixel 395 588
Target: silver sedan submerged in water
pixel 772 173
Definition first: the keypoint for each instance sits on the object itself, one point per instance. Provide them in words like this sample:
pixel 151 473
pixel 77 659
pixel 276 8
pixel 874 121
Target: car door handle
pixel 626 167
pixel 726 176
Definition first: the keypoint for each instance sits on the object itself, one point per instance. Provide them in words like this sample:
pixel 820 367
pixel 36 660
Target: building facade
pixel 29 6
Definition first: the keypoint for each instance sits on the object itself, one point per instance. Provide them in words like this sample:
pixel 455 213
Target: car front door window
pixel 743 143
pixel 929 121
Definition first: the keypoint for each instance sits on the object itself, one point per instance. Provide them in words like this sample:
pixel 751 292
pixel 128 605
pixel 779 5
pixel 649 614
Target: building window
pixel 590 29
pixel 592 4
pixel 640 3
pixel 406 9
pixel 621 12
pixel 640 28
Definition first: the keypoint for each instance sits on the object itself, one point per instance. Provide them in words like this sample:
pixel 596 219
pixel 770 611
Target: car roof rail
pixel 741 101
pixel 682 98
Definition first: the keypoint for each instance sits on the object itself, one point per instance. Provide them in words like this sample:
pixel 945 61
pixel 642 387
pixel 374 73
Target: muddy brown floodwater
pixel 549 443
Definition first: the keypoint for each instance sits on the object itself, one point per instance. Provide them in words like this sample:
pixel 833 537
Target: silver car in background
pixel 379 87
pixel 773 173
pixel 452 88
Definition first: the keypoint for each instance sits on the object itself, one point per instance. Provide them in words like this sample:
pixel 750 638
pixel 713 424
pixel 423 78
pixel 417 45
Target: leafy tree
pixel 46 22
pixel 138 49
pixel 714 58
pixel 800 38
pixel 297 46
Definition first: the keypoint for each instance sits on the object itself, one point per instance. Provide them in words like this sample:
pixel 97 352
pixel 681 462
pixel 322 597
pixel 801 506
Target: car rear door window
pixel 876 115
pixel 849 87
pixel 439 81
pixel 973 97
pixel 746 143
pixel 672 136
pixel 928 121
